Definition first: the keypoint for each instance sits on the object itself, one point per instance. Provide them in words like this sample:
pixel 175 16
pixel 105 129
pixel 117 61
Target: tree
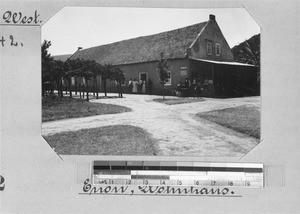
pixel 72 69
pixel 57 74
pixel 90 68
pixel 47 64
pixel 79 69
pixel 96 70
pixel 118 76
pixel 106 74
pixel 248 52
pixel 162 69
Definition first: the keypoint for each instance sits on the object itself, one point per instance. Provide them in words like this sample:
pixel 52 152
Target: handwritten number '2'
pixel 12 41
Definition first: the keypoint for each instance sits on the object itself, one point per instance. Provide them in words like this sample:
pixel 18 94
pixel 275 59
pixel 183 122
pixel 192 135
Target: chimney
pixel 79 48
pixel 212 17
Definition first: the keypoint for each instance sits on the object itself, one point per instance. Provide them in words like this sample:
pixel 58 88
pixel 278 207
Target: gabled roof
pixel 146 48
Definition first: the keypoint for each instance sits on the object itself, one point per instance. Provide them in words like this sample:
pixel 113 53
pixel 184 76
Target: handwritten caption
pixel 10 17
pixel 90 189
pixel 10 41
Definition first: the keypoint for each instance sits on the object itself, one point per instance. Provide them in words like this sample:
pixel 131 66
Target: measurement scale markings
pixel 178 173
pixel 159 177
pixel 112 172
pixel 127 177
pixel 175 166
pixel 179 183
pixel 203 175
pixel 149 172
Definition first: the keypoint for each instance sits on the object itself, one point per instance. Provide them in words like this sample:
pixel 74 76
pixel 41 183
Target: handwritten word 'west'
pixel 18 18
pixel 11 41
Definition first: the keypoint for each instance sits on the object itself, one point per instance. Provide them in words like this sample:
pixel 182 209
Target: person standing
pixel 130 86
pixel 135 86
pixel 140 85
pixel 187 83
pixel 144 87
pixel 150 83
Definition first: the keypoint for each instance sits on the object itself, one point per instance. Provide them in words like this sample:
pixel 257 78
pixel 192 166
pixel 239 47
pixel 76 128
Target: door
pixel 143 77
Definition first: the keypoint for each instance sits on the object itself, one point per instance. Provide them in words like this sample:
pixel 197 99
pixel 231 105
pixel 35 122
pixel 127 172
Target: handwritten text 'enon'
pixel 155 190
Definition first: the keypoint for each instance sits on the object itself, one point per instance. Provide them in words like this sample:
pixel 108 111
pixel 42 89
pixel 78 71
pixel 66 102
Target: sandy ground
pixel 176 127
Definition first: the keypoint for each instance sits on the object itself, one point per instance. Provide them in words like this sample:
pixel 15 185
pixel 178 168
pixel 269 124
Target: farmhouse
pixel 198 52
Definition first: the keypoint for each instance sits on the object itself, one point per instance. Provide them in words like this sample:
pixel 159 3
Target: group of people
pixel 141 86
pixel 187 88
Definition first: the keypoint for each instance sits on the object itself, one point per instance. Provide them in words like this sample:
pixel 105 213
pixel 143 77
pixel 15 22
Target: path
pixel 177 129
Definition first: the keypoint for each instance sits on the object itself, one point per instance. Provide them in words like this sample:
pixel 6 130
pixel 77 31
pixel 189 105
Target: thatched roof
pixel 62 57
pixel 146 48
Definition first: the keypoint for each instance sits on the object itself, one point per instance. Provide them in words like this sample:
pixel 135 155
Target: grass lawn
pixel 73 108
pixel 175 101
pixel 244 119
pixel 108 140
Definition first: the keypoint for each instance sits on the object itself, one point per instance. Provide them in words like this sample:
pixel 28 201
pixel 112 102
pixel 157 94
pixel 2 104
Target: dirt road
pixel 176 127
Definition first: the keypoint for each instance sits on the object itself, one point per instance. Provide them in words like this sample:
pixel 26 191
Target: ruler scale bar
pixel 172 173
pixel 126 177
pixel 178 166
pixel 234 183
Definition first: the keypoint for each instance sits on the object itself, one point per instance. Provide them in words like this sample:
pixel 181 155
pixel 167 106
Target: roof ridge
pixel 174 43
pixel 151 35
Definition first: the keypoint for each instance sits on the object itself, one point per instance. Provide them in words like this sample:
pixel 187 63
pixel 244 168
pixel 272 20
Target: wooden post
pixel 213 79
pixel 75 85
pixel 97 88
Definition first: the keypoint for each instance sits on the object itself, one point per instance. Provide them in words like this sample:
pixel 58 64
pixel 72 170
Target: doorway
pixel 143 77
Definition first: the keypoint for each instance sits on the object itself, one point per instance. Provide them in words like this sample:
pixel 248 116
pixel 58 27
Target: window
pixel 218 49
pixel 209 48
pixel 168 80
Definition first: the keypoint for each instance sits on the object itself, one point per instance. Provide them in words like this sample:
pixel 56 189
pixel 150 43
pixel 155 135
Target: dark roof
pixel 62 57
pixel 146 48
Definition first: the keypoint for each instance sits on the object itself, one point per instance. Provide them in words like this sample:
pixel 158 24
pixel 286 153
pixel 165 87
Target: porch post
pixel 213 78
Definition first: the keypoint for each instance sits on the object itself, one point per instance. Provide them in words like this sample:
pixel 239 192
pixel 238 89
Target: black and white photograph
pixel 151 82
pixel 149 106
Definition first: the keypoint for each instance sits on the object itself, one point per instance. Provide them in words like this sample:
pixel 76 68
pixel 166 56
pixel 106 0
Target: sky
pixel 74 27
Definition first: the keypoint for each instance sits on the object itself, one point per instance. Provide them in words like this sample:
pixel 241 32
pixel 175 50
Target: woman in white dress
pixel 135 86
pixel 144 87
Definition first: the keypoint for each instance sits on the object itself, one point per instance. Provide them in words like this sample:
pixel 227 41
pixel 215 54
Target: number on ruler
pixel 111 181
pixel 102 182
pixel 230 183
pixel 128 182
pixel 179 182
pixel 162 182
pixel 247 183
pixel 213 183
pixel 197 183
pixel 145 182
